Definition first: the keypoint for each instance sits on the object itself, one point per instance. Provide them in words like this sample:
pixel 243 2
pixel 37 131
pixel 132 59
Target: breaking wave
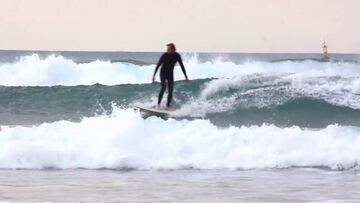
pixel 56 70
pixel 123 140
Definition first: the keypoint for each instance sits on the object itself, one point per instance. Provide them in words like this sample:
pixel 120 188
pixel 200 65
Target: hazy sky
pixel 194 25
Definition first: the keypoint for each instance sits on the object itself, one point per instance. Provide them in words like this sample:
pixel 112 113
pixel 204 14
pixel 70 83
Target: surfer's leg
pixel 170 83
pixel 163 88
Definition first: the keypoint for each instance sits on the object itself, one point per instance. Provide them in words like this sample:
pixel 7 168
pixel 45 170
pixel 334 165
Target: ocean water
pixel 248 128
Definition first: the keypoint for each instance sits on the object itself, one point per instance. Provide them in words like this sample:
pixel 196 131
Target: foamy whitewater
pixel 125 140
pixel 57 70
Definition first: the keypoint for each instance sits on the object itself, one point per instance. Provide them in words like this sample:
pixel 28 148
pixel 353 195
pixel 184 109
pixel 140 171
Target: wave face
pixel 124 140
pixel 283 100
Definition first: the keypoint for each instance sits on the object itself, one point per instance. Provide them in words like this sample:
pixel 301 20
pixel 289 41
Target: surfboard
pixel 151 111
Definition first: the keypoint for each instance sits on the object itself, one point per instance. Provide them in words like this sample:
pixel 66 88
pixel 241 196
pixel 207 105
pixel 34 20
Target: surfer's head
pixel 170 48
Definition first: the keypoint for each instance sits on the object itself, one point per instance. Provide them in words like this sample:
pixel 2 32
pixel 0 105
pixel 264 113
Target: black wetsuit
pixel 167 63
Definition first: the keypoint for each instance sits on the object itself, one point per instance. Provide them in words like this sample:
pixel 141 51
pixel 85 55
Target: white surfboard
pixel 151 111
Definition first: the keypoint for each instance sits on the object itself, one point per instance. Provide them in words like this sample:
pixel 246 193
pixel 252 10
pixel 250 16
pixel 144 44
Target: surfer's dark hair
pixel 172 45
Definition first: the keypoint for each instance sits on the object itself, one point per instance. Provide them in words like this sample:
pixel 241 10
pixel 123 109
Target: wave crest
pixel 56 70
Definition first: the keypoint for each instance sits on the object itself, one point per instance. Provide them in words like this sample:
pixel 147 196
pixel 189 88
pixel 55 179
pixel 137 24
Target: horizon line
pixel 201 52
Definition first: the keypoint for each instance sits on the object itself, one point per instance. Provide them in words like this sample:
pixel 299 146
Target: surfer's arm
pixel 158 65
pixel 182 67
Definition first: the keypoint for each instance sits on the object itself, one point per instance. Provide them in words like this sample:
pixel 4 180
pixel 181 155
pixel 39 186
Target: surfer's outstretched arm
pixel 157 66
pixel 182 67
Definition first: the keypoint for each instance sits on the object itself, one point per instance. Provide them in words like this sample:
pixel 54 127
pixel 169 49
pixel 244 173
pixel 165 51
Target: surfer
pixel 167 62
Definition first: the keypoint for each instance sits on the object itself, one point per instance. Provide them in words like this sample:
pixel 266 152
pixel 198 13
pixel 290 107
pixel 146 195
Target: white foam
pixel 125 140
pixel 269 90
pixel 277 89
pixel 57 70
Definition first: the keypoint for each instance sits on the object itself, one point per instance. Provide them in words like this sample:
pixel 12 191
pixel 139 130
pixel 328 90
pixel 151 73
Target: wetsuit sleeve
pixel 161 60
pixel 182 65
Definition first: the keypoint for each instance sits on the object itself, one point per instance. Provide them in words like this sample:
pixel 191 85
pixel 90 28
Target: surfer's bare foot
pixel 157 107
pixel 169 108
